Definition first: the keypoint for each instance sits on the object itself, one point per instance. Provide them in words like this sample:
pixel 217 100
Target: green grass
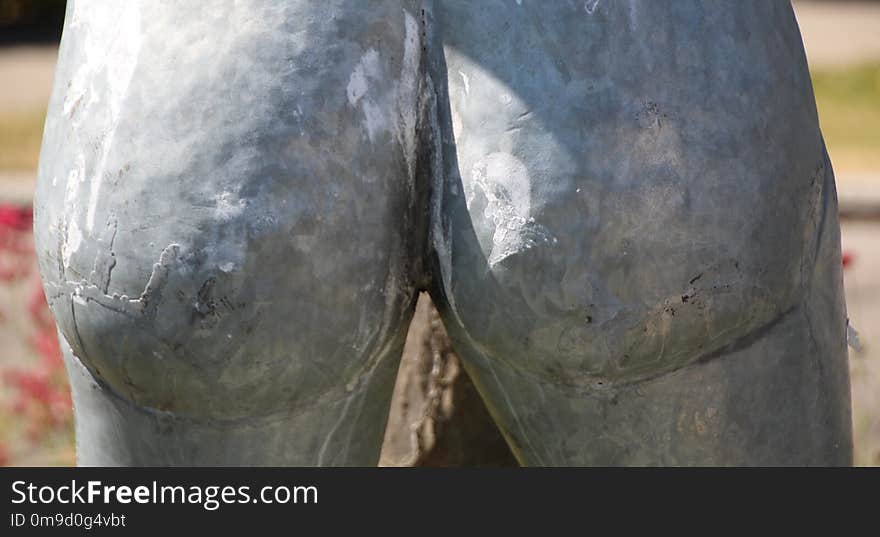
pixel 20 136
pixel 849 113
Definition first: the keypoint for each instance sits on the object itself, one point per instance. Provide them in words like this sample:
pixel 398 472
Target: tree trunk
pixel 437 417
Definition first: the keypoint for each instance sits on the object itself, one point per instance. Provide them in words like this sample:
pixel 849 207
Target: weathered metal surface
pixel 624 211
pixel 639 250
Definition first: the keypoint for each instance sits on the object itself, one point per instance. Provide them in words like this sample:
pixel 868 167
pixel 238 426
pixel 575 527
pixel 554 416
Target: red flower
pixel 41 395
pixel 17 218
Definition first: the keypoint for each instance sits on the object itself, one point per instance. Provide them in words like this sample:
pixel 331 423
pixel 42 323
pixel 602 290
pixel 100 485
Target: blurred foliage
pixel 36 418
pixel 849 113
pixel 31 20
pixel 29 11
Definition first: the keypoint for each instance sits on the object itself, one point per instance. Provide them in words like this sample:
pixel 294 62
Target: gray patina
pixel 623 209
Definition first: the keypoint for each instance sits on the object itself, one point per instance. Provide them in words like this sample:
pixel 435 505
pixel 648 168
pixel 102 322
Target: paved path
pixel 838 34
pixel 16 187
pixel 26 74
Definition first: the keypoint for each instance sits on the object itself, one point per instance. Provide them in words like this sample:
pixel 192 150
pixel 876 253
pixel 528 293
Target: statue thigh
pixel 222 211
pixel 636 245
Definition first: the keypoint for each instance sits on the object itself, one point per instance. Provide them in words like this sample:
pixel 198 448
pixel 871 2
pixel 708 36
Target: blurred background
pixel 842 40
